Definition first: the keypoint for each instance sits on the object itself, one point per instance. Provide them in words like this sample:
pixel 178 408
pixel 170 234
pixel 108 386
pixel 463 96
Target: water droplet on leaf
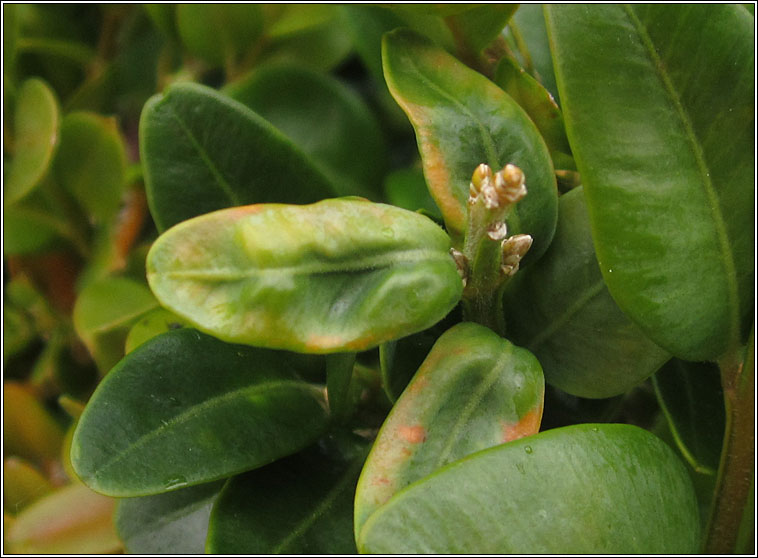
pixel 528 449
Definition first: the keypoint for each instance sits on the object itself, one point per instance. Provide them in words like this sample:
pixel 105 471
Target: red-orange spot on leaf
pixel 527 426
pixel 413 434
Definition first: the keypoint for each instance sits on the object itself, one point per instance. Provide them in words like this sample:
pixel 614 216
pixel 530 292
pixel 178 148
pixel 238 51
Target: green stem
pixel 737 455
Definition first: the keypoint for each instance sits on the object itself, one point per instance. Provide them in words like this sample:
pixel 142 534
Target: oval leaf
pixel 171 523
pixel 662 127
pixel 301 505
pixel 584 489
pixel 213 410
pixel 561 310
pixel 475 390
pixel 202 151
pixel 36 124
pixel 462 119
pixel 340 275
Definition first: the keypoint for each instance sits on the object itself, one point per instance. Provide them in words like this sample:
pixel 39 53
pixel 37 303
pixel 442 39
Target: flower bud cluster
pixel 498 191
pixel 514 249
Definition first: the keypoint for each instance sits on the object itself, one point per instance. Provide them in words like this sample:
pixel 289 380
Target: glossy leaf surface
pixel 474 390
pixel 477 27
pixel 91 163
pixel 561 310
pixel 348 144
pixel 171 523
pixel 662 126
pixel 529 23
pixel 213 410
pixel 340 275
pixel 584 489
pixel 462 119
pixel 300 505
pixel 692 400
pixel 202 151
pixel 36 125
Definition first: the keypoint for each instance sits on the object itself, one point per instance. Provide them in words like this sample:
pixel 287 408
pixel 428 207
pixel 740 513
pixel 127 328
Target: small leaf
pixel 212 410
pixel 104 312
pixel 150 325
pixel 300 505
pixel 583 489
pixel 202 151
pixel 171 523
pixel 72 520
pixel 337 276
pixel 36 125
pixel 692 400
pixel 28 229
pixel 477 27
pixel 561 310
pixel 91 163
pixel 462 119
pixel 30 431
pixel 475 390
pixel 22 484
pixel 348 145
pixel 661 126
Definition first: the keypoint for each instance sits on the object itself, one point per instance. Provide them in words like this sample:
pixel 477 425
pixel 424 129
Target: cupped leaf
pixel 36 127
pixel 91 163
pixel 692 400
pixel 348 144
pixel 171 523
pixel 583 489
pixel 336 276
pixel 212 410
pixel 300 505
pixel 661 125
pixel 475 390
pixel 202 151
pixel 104 312
pixel 561 310
pixel 462 119
pixel 70 520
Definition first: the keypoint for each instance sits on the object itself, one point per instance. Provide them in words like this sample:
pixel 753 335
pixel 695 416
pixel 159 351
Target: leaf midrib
pixel 191 413
pixel 369 263
pixel 714 205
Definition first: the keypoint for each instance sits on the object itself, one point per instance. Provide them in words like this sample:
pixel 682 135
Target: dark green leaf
pixel 475 390
pixel 172 523
pixel 661 125
pixel 202 151
pixel 324 118
pixel 561 310
pixel 337 276
pixel 300 505
pixel 185 409
pixel 692 400
pixel 584 489
pixel 462 119
pixel 477 27
pixel 35 137
pixel 406 188
pixel 339 372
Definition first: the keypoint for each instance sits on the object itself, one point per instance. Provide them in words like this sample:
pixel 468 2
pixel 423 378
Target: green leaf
pixel 406 188
pixel 583 489
pixel 661 125
pixel 152 324
pixel 219 33
pixel 104 312
pixel 28 229
pixel 692 400
pixel 35 138
pixel 475 390
pixel 30 431
pixel 300 505
pixel 348 144
pixel 561 310
pixel 477 27
pixel 171 523
pixel 339 373
pixel 22 485
pixel 185 409
pixel 462 119
pixel 202 151
pixel 537 102
pixel 91 163
pixel 336 276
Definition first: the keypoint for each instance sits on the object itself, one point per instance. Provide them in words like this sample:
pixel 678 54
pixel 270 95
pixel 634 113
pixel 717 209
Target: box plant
pixel 434 313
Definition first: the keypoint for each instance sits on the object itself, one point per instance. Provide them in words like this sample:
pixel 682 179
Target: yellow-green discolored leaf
pixel 22 484
pixel 185 408
pixel 36 127
pixel 475 390
pixel 462 119
pixel 29 430
pixel 91 163
pixel 582 489
pixel 152 324
pixel 339 275
pixel 72 520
